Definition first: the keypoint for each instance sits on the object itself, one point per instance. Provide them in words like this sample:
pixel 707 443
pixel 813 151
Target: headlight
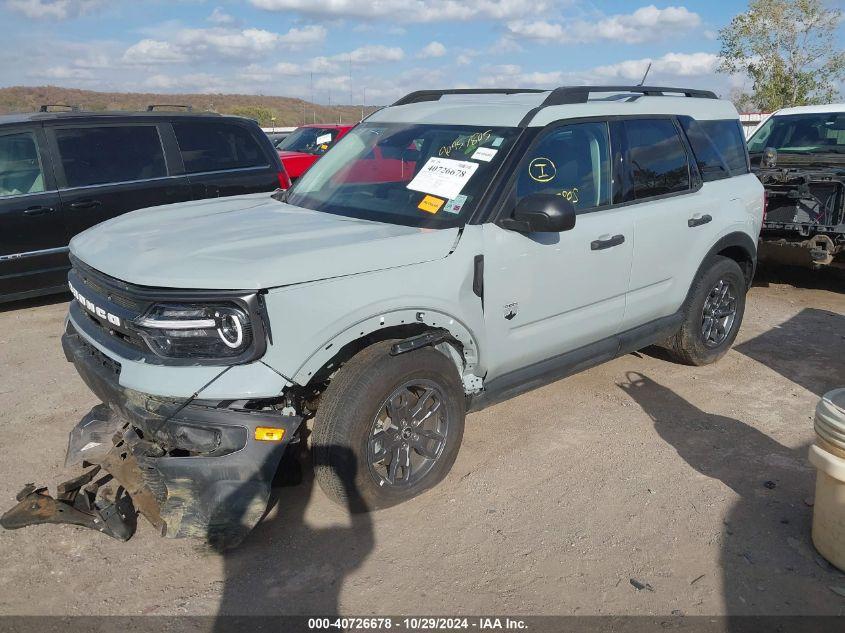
pixel 217 331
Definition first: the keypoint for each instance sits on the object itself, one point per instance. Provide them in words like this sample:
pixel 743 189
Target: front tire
pixel 713 314
pixel 388 427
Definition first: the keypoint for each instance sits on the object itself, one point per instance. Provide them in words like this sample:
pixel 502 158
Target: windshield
pixel 417 175
pixel 310 140
pixel 801 133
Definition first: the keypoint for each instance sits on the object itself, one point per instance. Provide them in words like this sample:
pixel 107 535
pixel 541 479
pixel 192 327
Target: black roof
pixel 77 115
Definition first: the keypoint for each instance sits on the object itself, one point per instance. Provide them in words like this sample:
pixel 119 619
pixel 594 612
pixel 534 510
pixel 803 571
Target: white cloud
pixel 65 72
pixel 52 9
pixel 432 49
pixel 194 44
pixel 338 65
pixel 153 52
pixel 221 18
pixel 670 65
pixel 643 25
pixel 410 10
pixel 192 82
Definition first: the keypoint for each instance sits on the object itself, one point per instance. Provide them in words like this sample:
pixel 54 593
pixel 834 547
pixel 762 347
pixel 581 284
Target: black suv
pixel 63 172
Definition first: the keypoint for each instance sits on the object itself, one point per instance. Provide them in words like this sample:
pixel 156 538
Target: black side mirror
pixel 541 213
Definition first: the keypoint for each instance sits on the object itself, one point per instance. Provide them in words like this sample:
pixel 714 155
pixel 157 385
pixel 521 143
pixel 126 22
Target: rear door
pixel 107 169
pixel 672 216
pixel 226 157
pixel 33 241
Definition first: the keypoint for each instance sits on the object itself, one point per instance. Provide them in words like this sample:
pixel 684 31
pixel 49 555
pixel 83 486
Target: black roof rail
pixel 46 107
pixel 173 106
pixel 558 96
pixel 581 94
pixel 434 95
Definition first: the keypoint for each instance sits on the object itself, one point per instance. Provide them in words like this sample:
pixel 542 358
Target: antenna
pixel 646 75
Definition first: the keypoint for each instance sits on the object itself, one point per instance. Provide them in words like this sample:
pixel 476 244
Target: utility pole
pixel 311 75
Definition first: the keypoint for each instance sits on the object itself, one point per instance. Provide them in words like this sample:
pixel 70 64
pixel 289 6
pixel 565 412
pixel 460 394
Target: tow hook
pixel 75 503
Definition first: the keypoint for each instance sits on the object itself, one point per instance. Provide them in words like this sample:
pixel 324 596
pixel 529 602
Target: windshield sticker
pixel 497 142
pixel 325 138
pixel 484 153
pixel 542 169
pixel 456 204
pixel 443 177
pixel 430 204
pixel 467 143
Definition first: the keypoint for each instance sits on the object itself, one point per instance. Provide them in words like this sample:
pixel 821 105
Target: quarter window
pixel 712 165
pixel 571 161
pixel 214 146
pixel 728 136
pixel 656 158
pixel 20 165
pixel 102 155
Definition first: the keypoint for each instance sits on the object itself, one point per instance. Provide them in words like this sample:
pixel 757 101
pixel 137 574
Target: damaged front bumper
pixel 190 469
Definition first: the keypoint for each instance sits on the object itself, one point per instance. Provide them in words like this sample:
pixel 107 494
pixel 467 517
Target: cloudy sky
pixel 390 47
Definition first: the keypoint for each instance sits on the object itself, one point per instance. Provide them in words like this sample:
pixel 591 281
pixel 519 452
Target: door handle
pixel 37 210
pixel 86 204
pixel 698 220
pixel 610 242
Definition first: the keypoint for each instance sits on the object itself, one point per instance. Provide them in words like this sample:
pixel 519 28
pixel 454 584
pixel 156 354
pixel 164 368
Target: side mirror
pixel 769 158
pixel 541 213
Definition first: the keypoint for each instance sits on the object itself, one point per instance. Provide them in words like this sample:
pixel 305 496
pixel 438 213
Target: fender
pixel 398 318
pixel 737 239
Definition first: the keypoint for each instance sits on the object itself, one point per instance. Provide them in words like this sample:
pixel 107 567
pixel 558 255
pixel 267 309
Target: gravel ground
pixel 692 481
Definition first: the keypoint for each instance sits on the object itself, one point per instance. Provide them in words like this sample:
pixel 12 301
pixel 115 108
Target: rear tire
pixel 388 427
pixel 712 316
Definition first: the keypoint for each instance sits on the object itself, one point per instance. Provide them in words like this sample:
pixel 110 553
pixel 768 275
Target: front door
pixel 33 241
pixel 547 294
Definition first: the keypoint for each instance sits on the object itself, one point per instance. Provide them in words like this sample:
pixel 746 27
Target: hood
pixel 297 163
pixel 248 243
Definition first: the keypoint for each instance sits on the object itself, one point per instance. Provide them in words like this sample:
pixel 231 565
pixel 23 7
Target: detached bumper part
pixel 191 470
pixel 75 503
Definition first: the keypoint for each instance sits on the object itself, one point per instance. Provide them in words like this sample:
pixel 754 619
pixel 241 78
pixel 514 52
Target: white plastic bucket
pixel 828 456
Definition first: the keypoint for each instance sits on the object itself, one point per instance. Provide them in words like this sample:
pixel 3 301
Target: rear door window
pixel 656 158
pixel 110 154
pixel 20 165
pixel 216 146
pixel 728 137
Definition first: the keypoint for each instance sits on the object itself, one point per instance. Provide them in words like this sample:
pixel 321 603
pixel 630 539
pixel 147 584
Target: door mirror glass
pixel 542 213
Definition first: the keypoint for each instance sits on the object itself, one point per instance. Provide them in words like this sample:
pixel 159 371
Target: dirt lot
pixel 636 469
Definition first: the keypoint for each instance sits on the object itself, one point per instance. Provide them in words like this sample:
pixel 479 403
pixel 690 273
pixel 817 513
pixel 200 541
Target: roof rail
pixel 581 94
pixel 558 96
pixel 70 108
pixel 173 106
pixel 434 95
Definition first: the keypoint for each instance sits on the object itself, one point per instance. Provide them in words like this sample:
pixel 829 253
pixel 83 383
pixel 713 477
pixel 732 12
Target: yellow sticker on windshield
pixel 430 204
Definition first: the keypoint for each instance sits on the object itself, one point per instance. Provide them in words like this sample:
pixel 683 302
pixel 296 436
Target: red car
pixel 306 144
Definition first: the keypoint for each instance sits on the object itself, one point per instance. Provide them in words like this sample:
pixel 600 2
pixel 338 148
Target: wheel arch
pixel 463 349
pixel 737 246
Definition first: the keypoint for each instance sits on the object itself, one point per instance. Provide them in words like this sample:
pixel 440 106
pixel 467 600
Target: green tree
pixel 264 116
pixel 788 50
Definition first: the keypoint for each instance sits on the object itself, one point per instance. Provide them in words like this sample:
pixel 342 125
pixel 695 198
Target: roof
pixel 329 125
pixel 27 117
pixel 813 109
pixel 511 108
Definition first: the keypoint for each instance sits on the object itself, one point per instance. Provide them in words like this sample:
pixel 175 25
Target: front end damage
pixel 191 469
pixel 805 219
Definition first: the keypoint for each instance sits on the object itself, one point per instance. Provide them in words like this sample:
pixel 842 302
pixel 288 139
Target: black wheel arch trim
pixel 734 240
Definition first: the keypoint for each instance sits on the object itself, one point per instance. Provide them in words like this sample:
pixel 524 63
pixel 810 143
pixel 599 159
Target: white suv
pixel 454 249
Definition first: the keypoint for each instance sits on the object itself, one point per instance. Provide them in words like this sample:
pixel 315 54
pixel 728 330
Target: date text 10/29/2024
pixel 480 623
